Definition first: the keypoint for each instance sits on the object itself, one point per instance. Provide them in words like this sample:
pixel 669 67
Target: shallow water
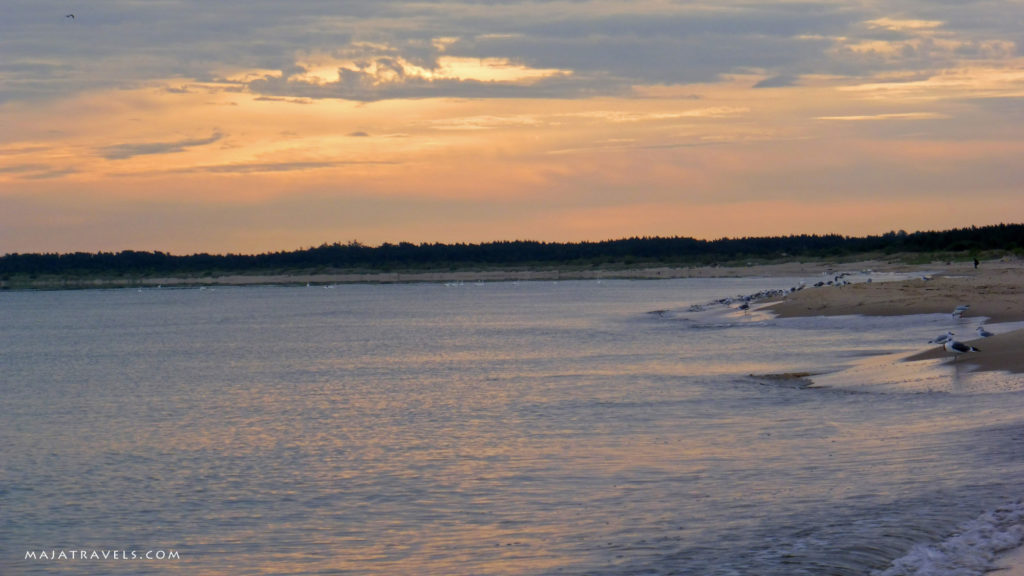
pixel 598 427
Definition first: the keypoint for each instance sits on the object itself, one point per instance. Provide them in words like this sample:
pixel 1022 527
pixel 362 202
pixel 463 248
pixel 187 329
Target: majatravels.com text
pixel 68 555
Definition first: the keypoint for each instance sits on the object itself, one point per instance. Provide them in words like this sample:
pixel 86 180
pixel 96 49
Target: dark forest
pixel 967 242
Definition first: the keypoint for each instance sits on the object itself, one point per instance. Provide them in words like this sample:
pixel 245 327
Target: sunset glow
pixel 203 128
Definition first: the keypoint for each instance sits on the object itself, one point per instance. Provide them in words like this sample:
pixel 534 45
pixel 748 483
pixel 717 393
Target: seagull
pixel 941 339
pixel 959 310
pixel 72 16
pixel 984 333
pixel 958 348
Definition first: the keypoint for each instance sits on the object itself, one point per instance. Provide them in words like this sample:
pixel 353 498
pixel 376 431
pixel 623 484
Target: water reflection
pixel 532 429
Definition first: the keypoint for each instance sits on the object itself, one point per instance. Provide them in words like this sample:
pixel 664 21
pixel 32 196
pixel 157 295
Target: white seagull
pixel 941 339
pixel 959 310
pixel 958 348
pixel 984 333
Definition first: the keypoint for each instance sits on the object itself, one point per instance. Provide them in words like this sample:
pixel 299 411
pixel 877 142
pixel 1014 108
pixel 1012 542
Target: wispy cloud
pixel 901 25
pixel 131 150
pixel 488 122
pixel 889 116
pixel 778 81
pixel 967 82
pixel 36 171
pixel 269 167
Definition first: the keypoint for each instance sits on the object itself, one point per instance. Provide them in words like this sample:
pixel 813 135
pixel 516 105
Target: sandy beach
pixel 995 290
pixel 789 269
pixel 496 274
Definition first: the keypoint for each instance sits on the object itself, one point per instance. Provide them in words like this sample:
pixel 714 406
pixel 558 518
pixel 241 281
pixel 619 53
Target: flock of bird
pixel 947 341
pixel 954 346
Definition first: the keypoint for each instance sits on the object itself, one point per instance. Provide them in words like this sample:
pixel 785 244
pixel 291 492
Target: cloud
pixel 286 100
pixel 366 50
pixel 386 76
pixel 22 168
pixel 459 49
pixel 125 151
pixel 267 167
pixel 562 50
pixel 35 171
pixel 365 87
pixel 50 174
pixel 964 83
pixel 488 122
pixel 900 25
pixel 890 116
pixel 619 116
pixel 778 81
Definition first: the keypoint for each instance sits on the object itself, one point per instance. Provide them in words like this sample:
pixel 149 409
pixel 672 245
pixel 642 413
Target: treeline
pixel 521 253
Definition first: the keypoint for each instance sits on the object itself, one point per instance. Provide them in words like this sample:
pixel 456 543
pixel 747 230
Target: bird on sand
pixel 984 333
pixel 941 339
pixel 958 348
pixel 959 310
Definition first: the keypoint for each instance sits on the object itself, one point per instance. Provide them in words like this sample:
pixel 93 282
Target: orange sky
pixel 560 121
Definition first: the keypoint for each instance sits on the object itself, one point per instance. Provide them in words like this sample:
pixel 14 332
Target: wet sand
pixel 1010 564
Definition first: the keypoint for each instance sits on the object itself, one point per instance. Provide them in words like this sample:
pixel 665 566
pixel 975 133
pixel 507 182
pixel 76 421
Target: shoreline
pixel 415 276
pixel 771 269
pixel 1009 563
pixel 994 291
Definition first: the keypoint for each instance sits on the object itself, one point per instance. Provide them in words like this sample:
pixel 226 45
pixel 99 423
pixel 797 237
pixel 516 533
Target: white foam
pixel 971 551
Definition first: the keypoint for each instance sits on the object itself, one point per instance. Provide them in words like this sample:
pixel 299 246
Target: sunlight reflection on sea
pixel 505 428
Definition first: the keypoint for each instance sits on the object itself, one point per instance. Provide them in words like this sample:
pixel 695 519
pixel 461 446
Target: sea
pixel 594 427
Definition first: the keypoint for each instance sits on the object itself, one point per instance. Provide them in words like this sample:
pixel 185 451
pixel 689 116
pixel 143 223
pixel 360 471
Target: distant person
pixel 975 263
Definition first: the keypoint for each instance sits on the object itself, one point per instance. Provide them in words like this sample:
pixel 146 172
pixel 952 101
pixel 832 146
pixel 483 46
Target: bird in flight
pixel 72 16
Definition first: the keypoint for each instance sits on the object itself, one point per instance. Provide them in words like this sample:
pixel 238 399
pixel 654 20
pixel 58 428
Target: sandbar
pixel 994 291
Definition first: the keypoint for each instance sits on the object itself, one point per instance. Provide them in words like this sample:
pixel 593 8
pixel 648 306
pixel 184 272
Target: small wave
pixel 970 551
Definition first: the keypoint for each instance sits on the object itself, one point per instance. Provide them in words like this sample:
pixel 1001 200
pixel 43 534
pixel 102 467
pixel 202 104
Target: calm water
pixel 493 429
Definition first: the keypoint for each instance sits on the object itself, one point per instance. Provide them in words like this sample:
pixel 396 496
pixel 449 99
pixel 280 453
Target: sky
pixel 194 126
